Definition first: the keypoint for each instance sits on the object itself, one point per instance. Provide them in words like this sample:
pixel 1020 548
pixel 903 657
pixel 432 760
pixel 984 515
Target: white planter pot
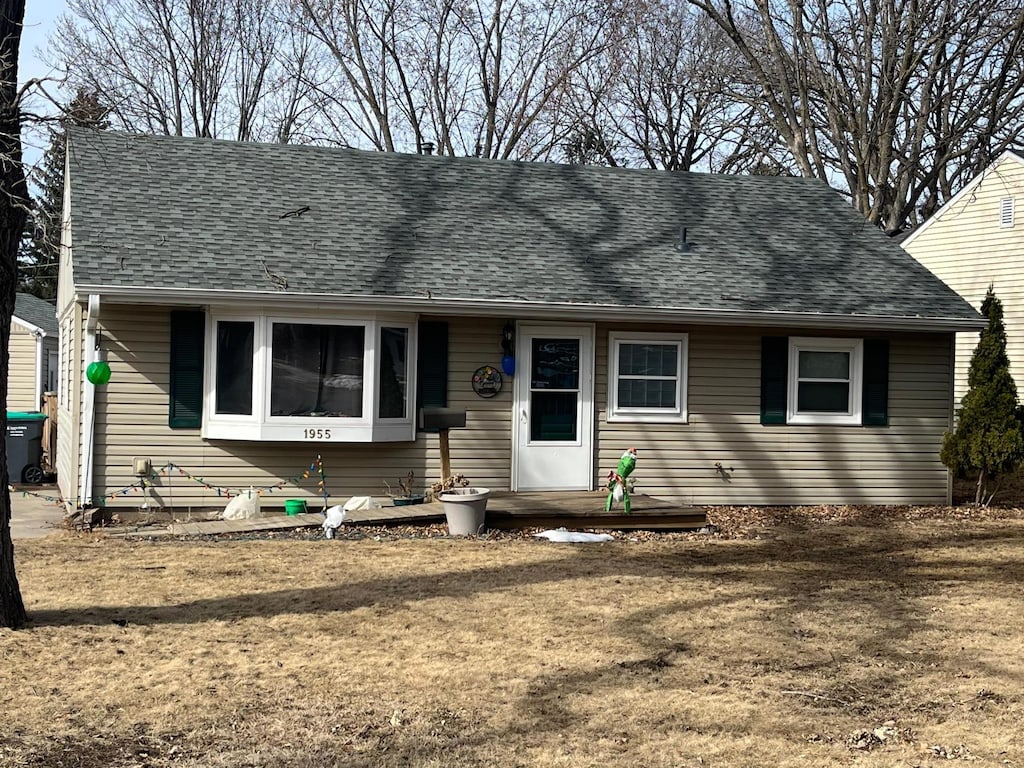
pixel 464 510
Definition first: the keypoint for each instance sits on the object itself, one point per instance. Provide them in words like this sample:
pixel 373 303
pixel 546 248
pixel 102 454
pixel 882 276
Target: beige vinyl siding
pixel 22 382
pixel 765 465
pixel 965 246
pixel 131 421
pixel 69 403
pixel 784 464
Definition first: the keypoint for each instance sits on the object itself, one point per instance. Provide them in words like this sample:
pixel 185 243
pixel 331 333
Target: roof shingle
pixel 35 311
pixel 170 212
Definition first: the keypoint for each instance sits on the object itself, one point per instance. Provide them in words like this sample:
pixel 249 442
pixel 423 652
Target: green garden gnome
pixel 618 484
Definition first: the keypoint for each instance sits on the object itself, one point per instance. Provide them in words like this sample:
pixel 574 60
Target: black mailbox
pixel 442 418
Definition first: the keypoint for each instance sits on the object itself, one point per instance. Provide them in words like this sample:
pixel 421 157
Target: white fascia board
pixel 527 309
pixel 973 184
pixel 28 326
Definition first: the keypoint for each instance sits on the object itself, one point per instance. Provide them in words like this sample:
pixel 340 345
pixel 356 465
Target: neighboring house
pixel 33 350
pixel 259 305
pixel 977 240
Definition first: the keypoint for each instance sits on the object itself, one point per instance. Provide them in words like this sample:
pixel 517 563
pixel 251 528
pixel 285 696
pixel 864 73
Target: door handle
pixel 524 415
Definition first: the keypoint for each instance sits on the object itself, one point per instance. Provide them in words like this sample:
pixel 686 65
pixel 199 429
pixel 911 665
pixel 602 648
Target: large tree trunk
pixel 13 196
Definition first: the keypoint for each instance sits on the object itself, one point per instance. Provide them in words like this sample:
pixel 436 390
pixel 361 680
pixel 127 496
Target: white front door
pixel 554 408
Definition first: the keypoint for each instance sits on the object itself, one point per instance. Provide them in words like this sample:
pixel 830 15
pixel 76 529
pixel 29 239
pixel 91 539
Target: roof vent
pixel 1006 212
pixel 683 245
pixel 427 147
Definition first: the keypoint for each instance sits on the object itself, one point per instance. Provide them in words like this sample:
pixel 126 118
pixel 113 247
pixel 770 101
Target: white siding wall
pixel 767 465
pixel 965 246
pixel 21 379
pixel 785 464
pixel 69 403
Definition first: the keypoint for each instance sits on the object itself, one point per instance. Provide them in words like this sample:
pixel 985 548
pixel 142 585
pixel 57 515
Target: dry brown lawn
pixel 897 643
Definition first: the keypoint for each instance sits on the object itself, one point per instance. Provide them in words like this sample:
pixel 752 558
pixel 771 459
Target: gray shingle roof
pixel 35 311
pixel 187 213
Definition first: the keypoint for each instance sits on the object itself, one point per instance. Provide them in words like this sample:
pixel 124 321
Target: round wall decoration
pixel 487 381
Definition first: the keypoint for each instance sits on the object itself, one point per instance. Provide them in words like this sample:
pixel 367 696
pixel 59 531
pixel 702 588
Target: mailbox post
pixel 443 419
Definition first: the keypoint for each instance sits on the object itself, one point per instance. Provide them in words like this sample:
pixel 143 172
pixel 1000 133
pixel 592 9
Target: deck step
pixel 682 521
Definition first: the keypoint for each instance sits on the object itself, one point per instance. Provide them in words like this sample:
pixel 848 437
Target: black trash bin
pixel 25 446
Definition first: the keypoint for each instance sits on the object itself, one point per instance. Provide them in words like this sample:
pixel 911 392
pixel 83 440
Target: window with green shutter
pixel 188 337
pixel 817 380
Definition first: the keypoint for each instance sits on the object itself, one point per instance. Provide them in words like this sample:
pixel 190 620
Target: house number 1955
pixel 317 434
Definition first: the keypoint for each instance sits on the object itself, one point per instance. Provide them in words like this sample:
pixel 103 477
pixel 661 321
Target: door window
pixel 554 390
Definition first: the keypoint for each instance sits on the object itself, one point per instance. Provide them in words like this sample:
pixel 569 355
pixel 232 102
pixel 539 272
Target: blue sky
pixel 40 19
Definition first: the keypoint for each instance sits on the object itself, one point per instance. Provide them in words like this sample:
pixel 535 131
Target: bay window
pixel 289 378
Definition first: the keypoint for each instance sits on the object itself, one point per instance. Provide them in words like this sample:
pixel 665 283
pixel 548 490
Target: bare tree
pixel 186 67
pixel 39 255
pixel 897 101
pixel 13 206
pixel 363 39
pixel 661 94
pixel 467 76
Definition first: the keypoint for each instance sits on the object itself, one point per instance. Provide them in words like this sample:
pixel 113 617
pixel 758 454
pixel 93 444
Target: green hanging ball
pixel 98 373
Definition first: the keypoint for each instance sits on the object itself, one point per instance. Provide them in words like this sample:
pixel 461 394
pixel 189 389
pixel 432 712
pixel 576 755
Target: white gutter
pixel 32 328
pixel 88 417
pixel 532 309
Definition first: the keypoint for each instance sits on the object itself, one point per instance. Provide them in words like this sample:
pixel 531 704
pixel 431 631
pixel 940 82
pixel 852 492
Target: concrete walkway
pixel 33 517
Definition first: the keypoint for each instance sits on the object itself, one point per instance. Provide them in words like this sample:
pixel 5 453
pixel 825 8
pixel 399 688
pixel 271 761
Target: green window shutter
pixel 188 340
pixel 875 406
pixel 774 375
pixel 432 365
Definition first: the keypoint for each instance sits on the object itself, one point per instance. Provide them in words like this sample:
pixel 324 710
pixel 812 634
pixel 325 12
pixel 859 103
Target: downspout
pixel 91 354
pixel 40 381
pixel 952 411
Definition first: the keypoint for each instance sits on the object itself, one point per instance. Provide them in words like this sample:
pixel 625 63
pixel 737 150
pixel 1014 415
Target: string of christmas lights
pixel 230 491
pixel 316 467
pixel 52 499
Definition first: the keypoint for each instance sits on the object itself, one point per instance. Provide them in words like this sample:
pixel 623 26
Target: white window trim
pixel 855 348
pixel 261 426
pixel 677 415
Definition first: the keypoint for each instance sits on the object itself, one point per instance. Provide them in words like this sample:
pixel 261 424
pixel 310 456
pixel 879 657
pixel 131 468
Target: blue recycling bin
pixel 25 447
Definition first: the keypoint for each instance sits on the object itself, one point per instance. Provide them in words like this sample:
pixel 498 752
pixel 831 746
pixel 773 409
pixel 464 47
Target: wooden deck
pixel 585 509
pixel 386 515
pixel 505 511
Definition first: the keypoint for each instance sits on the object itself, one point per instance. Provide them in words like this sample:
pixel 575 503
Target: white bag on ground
pixel 244 506
pixel 335 516
pixel 359 503
pixel 574 537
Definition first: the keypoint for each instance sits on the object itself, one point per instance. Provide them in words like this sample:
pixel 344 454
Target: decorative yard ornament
pixel 98 373
pixel 619 485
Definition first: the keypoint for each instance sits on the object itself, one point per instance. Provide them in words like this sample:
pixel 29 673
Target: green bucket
pixel 294 506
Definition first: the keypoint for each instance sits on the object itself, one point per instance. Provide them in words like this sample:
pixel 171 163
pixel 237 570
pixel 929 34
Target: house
pixel 270 313
pixel 976 240
pixel 33 353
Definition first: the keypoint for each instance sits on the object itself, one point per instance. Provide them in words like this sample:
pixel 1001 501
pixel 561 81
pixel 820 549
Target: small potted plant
pixel 464 505
pixel 406 493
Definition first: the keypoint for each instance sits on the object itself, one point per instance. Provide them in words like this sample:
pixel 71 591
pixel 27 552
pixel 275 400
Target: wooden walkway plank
pixel 505 511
